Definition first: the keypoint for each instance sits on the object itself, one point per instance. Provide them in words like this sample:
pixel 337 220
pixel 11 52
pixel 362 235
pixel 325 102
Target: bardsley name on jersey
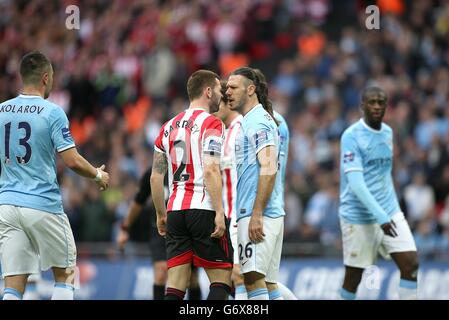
pixel 21 109
pixel 185 124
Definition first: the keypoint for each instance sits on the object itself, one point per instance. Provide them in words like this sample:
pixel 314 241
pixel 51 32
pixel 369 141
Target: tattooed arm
pixel 157 189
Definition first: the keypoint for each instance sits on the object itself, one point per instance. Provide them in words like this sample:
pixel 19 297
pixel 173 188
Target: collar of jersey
pixel 254 108
pixel 29 96
pixel 194 109
pixel 237 119
pixel 369 128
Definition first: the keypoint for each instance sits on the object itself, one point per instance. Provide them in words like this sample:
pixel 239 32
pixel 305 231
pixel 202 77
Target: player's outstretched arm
pixel 213 182
pixel 132 214
pixel 268 161
pixel 358 186
pixel 158 172
pixel 81 166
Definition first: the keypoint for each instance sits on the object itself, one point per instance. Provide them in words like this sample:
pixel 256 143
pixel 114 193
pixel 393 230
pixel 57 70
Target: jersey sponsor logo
pixel 348 157
pixel 214 146
pixel 66 133
pixel 380 162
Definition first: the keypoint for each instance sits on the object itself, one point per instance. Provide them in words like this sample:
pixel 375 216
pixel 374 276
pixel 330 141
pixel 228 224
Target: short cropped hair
pixel 32 66
pixel 200 80
pixel 371 90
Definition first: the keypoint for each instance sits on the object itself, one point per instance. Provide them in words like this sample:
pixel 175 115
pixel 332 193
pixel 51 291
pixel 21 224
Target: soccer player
pixel 34 230
pixel 232 121
pixel 370 216
pixel 157 242
pixel 284 136
pixel 194 222
pixel 260 217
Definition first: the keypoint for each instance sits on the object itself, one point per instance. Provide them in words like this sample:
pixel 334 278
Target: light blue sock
pixel 31 292
pixel 408 289
pixel 11 294
pixel 346 295
pixel 275 295
pixel 258 294
pixel 63 291
pixel 240 293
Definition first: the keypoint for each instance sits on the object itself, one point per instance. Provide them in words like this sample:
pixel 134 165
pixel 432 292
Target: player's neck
pixel 32 91
pixel 250 105
pixel 373 125
pixel 199 104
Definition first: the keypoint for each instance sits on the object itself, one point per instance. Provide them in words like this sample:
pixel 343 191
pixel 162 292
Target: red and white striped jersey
pixel 184 139
pixel 229 169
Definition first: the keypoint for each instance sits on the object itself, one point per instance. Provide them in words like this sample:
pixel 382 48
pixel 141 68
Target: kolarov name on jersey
pixel 21 109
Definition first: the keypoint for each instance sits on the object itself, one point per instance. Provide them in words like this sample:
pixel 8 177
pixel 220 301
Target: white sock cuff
pixel 11 294
pixel 64 285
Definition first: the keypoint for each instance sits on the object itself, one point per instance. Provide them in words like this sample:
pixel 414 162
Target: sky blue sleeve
pixel 358 186
pixel 60 132
pixel 351 157
pixel 262 135
pixel 285 135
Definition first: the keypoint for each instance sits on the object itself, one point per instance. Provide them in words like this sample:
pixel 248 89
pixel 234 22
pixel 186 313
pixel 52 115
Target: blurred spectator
pixel 419 198
pixel 321 213
pixel 96 218
pixel 426 238
pixel 159 68
pixel 293 210
pixel 124 73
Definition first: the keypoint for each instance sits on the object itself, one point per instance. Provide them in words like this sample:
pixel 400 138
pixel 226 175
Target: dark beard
pixel 214 105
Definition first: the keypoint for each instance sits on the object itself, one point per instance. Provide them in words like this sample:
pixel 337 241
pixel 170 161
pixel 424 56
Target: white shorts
pixel 233 235
pixel 33 240
pixel 363 242
pixel 263 257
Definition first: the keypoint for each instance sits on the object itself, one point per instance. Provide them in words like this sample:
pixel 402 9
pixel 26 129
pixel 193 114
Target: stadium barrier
pixel 309 279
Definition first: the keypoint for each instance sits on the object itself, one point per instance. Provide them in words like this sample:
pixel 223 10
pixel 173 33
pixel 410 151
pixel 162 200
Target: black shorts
pixel 157 246
pixel 188 240
pixel 156 241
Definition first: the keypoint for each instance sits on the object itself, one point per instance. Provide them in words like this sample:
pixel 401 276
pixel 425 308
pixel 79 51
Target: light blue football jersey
pixel 284 136
pixel 370 151
pixel 31 130
pixel 258 130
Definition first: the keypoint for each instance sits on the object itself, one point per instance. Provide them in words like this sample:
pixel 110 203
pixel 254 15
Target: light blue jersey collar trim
pixel 371 129
pixel 259 105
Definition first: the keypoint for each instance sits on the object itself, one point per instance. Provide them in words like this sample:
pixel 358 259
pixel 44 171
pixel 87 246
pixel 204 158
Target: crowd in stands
pixel 124 71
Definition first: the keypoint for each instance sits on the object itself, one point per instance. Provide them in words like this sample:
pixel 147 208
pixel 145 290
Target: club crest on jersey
pixel 348 157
